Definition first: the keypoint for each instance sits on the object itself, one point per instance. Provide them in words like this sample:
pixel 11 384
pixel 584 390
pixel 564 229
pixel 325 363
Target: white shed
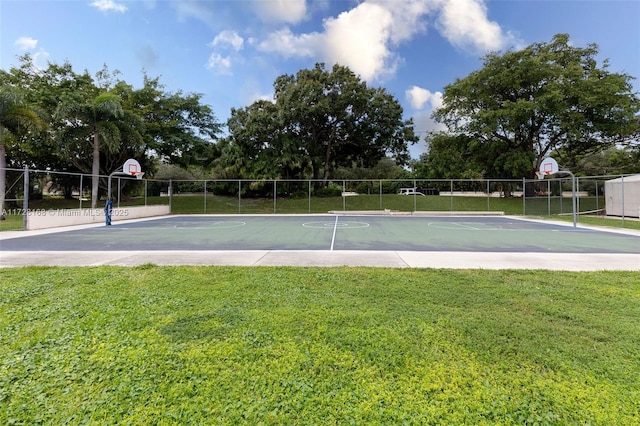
pixel 623 196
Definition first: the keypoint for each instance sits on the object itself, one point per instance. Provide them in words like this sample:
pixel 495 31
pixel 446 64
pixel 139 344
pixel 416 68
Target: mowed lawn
pixel 232 345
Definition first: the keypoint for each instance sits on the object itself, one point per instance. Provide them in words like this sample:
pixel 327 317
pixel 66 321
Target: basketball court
pixel 487 242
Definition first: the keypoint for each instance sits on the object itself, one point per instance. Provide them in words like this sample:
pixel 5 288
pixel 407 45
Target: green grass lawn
pixel 228 345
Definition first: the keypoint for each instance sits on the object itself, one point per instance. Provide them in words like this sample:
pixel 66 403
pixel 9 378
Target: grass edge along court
pixel 287 345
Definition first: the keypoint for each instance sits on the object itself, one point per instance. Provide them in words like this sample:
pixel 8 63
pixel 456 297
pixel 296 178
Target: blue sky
pixel 232 51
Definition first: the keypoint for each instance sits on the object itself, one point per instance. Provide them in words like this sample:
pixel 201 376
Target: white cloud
pixel 425 102
pixel 419 97
pixel 228 38
pixel 26 43
pixel 225 41
pixel 287 11
pixel 365 38
pixel 220 64
pixel 108 6
pixel 466 25
pixel 408 17
pixel 40 58
pixel 261 97
pixel 290 45
pixel 359 39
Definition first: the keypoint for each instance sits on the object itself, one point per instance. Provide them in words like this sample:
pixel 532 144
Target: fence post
pixel 344 199
pixel 275 196
pixel 488 194
pixel 170 196
pixel 80 192
pixel 548 198
pixel 451 195
pixel 561 189
pixel 622 183
pixel 25 200
pixel 573 197
pixel 576 194
pixel 524 197
pixel 205 196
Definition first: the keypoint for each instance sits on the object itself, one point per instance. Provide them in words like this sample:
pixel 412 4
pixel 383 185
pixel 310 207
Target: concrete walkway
pixel 386 259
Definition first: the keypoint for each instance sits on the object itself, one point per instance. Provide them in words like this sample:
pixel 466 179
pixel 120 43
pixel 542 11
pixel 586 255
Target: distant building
pixel 623 196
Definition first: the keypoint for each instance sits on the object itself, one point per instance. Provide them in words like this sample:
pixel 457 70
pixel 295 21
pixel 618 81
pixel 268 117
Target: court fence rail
pixel 32 190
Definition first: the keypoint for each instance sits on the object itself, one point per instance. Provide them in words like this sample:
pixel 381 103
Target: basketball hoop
pixel 131 167
pixel 542 173
pixel 548 166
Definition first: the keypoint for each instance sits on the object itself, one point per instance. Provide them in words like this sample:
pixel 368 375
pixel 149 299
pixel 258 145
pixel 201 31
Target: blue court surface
pixel 344 240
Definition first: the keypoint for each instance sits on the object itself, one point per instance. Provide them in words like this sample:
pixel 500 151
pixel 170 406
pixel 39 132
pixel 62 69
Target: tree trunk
pixel 95 171
pixel 327 164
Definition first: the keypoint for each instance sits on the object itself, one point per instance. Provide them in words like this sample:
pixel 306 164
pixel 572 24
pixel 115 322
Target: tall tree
pixel 178 128
pixel 123 121
pixel 46 87
pixel 339 121
pixel 320 120
pixel 90 121
pixel 16 119
pixel 523 104
pixel 34 148
pixel 451 157
pixel 259 145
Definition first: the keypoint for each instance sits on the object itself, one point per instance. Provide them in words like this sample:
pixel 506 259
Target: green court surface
pixel 499 236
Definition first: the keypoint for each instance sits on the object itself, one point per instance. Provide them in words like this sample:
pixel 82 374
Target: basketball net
pixel 137 175
pixel 541 174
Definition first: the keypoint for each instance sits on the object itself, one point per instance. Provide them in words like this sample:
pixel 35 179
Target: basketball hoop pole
pixel 573 193
pixel 549 166
pixel 118 172
pixel 134 170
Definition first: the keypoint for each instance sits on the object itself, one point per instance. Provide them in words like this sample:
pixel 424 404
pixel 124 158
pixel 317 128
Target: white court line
pixel 335 228
pixel 463 226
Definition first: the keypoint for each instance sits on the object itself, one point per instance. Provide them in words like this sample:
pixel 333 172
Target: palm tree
pixel 91 122
pixel 16 118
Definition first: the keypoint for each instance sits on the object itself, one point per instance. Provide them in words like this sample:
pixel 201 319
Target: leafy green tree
pixel 34 148
pixel 45 88
pixel 17 118
pixel 150 123
pixel 321 120
pixel 611 161
pixel 90 121
pixel 386 168
pixel 451 157
pixel 259 145
pixel 523 104
pixel 339 121
pixel 178 128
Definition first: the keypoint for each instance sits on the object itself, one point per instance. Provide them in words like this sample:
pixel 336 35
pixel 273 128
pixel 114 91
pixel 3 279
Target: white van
pixel 409 191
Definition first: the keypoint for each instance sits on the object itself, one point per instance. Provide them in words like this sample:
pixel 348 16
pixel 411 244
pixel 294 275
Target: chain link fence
pixel 30 190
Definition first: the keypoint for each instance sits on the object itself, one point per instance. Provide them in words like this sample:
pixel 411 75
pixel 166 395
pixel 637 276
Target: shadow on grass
pixel 213 326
